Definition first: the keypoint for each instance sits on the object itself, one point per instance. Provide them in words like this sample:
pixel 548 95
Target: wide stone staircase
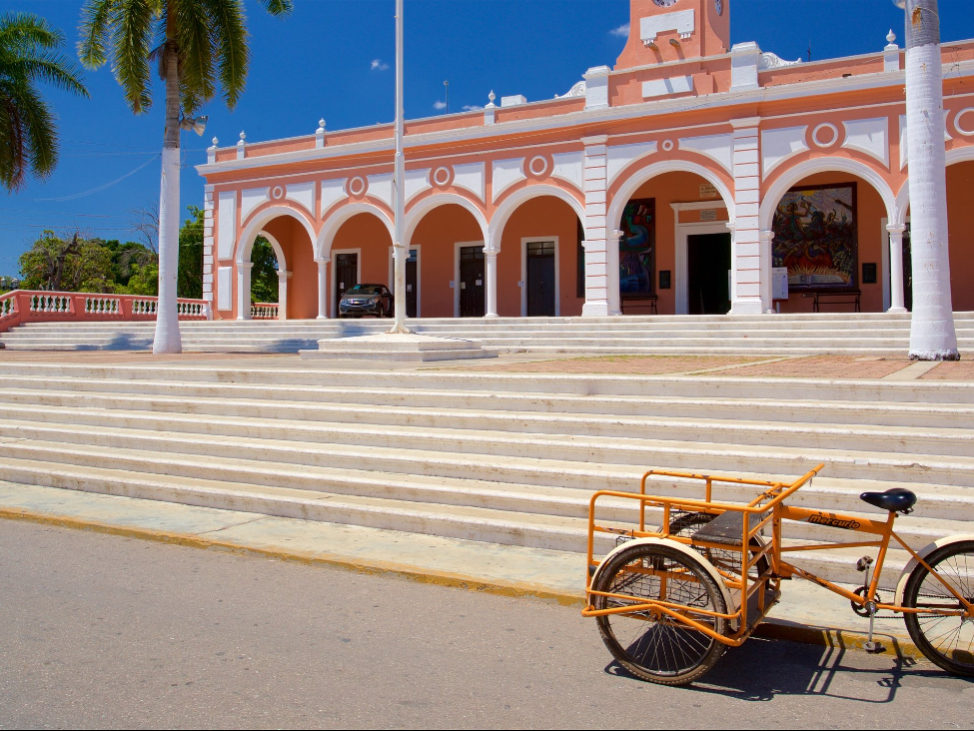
pixel 508 459
pixel 860 334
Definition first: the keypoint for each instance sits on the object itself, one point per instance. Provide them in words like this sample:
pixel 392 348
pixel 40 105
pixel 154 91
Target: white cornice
pixel 651 109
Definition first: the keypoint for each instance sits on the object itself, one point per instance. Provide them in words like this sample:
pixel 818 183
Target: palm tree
pixel 28 136
pixel 932 334
pixel 200 42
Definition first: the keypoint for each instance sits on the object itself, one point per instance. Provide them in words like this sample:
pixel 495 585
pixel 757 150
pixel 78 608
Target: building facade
pixel 693 177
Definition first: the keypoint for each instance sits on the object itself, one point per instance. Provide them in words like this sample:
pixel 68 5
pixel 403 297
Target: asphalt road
pixel 102 631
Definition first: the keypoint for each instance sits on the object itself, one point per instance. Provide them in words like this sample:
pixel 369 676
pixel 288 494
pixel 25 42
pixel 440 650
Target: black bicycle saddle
pixel 896 500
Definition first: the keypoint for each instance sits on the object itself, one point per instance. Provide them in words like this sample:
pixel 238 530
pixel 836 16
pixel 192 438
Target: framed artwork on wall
pixel 816 237
pixel 637 249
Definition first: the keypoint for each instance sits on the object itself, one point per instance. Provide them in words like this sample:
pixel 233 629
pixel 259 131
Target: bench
pixel 847 297
pixel 647 301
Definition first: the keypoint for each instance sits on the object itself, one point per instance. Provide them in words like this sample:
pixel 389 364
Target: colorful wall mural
pixel 637 248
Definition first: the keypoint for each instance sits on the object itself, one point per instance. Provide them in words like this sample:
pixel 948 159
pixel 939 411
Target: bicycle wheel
pixel 946 641
pixel 689 523
pixel 650 645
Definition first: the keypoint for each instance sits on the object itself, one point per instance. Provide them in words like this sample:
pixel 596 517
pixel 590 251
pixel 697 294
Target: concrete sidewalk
pixel 806 613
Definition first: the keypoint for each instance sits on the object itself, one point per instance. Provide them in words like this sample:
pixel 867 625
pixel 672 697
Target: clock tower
pixel 672 30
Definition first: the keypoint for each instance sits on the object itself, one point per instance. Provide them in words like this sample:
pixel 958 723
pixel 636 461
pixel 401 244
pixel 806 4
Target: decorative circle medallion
pixel 668 145
pixel 357 186
pixel 278 192
pixel 961 129
pixel 441 176
pixel 538 165
pixel 830 137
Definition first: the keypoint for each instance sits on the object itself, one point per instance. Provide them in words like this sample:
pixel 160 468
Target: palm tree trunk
pixel 932 335
pixel 167 339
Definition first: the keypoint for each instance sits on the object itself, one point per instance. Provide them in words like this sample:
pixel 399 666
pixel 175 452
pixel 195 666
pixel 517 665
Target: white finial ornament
pixel 321 127
pixel 243 137
pixel 215 142
pixel 891 38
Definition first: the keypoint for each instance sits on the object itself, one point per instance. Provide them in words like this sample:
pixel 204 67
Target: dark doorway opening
pixel 709 261
pixel 907 271
pixel 472 281
pixel 411 283
pixel 346 275
pixel 541 278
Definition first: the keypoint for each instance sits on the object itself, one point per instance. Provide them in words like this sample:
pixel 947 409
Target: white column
pixel 897 306
pixel 282 278
pixel 932 333
pixel 747 292
pixel 243 289
pixel 767 283
pixel 490 272
pixel 323 288
pixel 209 243
pixel 599 282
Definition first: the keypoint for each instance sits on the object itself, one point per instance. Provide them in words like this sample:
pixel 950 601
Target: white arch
pixel 515 200
pixel 643 175
pixel 796 174
pixel 278 251
pixel 619 201
pixel 335 221
pixel 418 211
pixel 957 155
pixel 245 243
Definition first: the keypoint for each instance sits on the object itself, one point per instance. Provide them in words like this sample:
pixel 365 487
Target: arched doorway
pixel 447 243
pixel 673 254
pixel 829 230
pixel 360 254
pixel 541 262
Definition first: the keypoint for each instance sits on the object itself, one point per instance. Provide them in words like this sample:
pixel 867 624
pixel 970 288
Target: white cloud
pixel 622 31
pixel 473 108
pixel 379 65
pixel 439 105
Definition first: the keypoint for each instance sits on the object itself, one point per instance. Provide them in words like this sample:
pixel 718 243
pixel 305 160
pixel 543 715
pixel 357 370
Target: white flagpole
pixel 398 245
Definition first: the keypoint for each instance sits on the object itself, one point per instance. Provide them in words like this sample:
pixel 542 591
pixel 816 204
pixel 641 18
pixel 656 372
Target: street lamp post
pixel 398 245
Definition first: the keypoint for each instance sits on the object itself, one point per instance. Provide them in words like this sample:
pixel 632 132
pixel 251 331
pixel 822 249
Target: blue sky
pixel 333 58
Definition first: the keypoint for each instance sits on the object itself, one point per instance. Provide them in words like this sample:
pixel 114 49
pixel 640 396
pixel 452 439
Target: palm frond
pixel 27 31
pixel 228 26
pixel 96 17
pixel 50 67
pixel 40 132
pixel 132 33
pixel 11 136
pixel 278 8
pixel 195 53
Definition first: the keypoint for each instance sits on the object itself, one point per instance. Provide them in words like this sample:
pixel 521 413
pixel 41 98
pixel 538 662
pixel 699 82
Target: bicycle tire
pixel 948 642
pixel 659 650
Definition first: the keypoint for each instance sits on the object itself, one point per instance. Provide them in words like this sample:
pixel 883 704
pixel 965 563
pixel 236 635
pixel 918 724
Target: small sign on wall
pixel 707 191
pixel 709 215
pixel 779 283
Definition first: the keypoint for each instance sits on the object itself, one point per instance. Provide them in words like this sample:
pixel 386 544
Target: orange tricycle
pixel 668 602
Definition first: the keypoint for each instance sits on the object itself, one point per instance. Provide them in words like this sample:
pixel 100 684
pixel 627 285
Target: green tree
pixel 263 277
pixel 191 255
pixel 28 135
pixel 72 264
pixel 202 42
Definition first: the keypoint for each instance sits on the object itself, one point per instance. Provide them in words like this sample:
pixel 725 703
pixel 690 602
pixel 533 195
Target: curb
pixel 772 629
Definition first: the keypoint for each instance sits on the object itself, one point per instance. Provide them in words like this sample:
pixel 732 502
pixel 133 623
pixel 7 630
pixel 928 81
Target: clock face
pixel 666 3
pixel 719 6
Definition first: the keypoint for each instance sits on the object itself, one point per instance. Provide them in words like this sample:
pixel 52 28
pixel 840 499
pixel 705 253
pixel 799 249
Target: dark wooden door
pixel 907 271
pixel 411 284
pixel 346 275
pixel 541 279
pixel 709 261
pixel 472 281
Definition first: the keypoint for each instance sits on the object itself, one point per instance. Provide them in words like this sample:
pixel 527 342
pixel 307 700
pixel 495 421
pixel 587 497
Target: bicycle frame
pixel 770 509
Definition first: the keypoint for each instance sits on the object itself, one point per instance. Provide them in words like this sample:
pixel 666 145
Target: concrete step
pixel 350 404
pixel 485 382
pixel 939 441
pixel 479 524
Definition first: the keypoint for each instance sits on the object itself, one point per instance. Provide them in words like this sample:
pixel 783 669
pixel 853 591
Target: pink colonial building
pixel 691 177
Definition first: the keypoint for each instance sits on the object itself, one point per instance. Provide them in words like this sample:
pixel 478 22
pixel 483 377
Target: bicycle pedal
pixel 863 564
pixel 874 648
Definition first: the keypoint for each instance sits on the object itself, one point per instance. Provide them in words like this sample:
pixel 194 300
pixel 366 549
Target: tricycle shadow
pixel 764 669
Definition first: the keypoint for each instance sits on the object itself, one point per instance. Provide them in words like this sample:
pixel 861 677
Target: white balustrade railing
pixel 54 303
pixel 145 307
pixel 102 305
pixel 193 309
pixel 264 311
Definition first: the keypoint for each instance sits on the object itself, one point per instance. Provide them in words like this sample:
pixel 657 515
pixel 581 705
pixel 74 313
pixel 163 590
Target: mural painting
pixel 815 237
pixel 637 248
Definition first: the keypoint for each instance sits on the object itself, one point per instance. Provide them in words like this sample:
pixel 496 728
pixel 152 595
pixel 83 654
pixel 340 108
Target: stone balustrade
pixel 264 311
pixel 20 307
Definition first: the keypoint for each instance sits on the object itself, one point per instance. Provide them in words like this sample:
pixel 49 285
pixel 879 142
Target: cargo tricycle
pixel 669 601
